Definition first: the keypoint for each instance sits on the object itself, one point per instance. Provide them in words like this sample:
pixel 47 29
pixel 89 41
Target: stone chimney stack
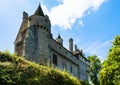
pixel 76 48
pixel 25 16
pixel 71 45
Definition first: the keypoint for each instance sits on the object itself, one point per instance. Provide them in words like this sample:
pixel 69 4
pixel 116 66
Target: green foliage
pixel 16 70
pixel 95 66
pixel 110 72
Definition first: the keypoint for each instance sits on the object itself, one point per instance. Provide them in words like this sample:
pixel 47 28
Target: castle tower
pixel 33 39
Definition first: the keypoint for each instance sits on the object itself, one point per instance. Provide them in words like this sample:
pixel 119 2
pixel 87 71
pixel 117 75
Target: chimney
pixel 25 16
pixel 76 48
pixel 71 45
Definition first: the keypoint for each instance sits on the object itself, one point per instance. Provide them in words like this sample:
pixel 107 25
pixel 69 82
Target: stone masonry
pixel 34 42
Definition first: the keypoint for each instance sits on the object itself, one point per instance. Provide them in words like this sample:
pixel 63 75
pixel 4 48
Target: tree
pixel 95 66
pixel 110 72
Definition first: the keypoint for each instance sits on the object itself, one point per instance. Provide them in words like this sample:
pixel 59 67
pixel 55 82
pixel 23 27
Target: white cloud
pixel 81 23
pixel 45 10
pixel 65 15
pixel 96 47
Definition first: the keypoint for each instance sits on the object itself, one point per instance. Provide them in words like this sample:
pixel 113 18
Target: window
pixel 41 26
pixel 37 25
pixel 33 25
pixel 44 27
pixel 45 20
pixel 70 68
pixel 29 19
pixel 54 59
pixel 48 46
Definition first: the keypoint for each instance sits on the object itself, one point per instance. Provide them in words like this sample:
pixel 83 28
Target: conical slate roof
pixel 59 37
pixel 39 11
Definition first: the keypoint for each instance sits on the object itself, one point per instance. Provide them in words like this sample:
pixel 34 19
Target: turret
pixel 59 40
pixel 39 20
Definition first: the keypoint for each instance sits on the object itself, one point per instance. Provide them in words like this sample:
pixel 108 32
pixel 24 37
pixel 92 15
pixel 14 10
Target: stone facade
pixel 35 42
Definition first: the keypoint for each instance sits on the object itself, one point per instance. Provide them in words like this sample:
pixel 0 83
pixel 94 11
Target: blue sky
pixel 91 23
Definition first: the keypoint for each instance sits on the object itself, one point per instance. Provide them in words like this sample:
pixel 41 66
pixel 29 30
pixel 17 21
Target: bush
pixel 16 70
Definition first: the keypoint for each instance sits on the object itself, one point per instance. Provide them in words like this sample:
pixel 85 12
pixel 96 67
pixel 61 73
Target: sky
pixel 92 24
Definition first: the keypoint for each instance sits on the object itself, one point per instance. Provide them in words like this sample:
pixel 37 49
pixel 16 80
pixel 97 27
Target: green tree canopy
pixel 110 72
pixel 95 66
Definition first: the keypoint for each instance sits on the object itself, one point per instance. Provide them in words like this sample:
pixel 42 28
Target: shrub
pixel 15 70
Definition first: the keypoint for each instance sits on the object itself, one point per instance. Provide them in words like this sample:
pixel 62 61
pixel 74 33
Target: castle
pixel 34 42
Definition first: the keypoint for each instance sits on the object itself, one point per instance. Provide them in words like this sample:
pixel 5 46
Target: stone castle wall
pixel 34 42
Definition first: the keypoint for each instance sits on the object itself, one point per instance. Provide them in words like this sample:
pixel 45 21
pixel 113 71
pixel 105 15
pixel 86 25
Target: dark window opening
pixel 41 26
pixel 54 59
pixel 29 19
pixel 47 30
pixel 44 27
pixel 70 68
pixel 37 25
pixel 33 25
pixel 45 20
